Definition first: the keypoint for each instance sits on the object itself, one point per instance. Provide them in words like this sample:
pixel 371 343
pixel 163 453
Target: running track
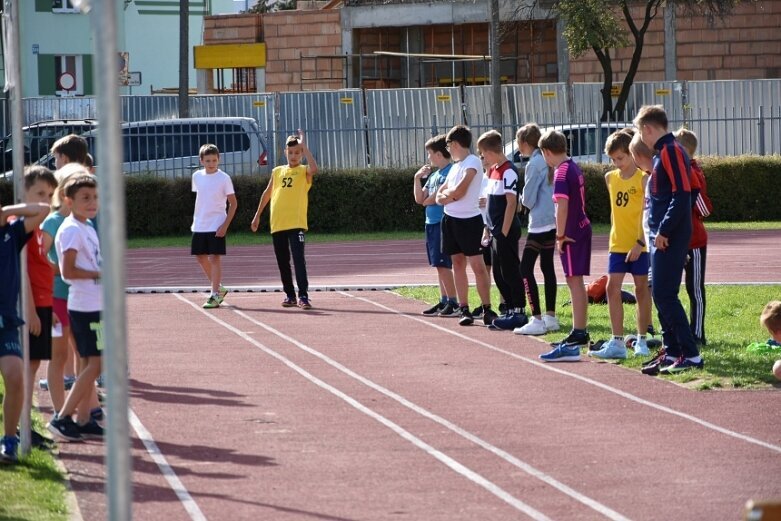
pixel 361 409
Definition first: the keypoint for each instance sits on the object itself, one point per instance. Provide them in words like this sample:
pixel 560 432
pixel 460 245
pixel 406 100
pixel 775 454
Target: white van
pixel 169 147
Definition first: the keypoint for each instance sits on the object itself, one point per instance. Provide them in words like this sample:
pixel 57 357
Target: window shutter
pixel 47 83
pixel 86 65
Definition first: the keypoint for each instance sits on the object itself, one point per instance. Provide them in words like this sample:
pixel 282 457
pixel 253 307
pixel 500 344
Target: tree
pixel 601 26
pixel 270 6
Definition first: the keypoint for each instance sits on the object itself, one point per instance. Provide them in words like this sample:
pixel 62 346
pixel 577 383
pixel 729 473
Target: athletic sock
pixel 443 299
pixel 453 301
pixel 618 337
pixel 640 337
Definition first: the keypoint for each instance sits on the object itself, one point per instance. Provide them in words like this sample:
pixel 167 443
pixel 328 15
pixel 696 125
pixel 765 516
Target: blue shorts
pixel 9 342
pixel 616 263
pixel 436 258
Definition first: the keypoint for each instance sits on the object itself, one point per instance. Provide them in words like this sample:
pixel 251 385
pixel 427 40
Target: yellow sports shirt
pixel 289 198
pixel 627 199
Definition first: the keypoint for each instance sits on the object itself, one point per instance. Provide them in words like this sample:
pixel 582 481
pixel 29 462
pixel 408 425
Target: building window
pixel 69 75
pixel 64 6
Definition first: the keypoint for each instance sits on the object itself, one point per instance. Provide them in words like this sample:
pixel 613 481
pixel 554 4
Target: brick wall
pixel 291 34
pixel 243 28
pixel 744 45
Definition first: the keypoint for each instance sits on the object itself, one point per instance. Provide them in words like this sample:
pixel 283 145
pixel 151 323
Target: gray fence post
pixel 598 139
pixel 761 133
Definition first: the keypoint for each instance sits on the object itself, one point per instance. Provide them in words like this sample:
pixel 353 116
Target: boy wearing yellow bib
pixel 288 192
pixel 628 252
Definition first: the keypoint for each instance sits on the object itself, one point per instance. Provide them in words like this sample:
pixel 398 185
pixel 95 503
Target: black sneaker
pixel 91 430
pixel 489 315
pixel 448 310
pixel 681 365
pixel 64 429
pixel 574 340
pixel 97 415
pixel 660 354
pixel 38 440
pixel 478 312
pixel 9 448
pixel 433 310
pixel 466 317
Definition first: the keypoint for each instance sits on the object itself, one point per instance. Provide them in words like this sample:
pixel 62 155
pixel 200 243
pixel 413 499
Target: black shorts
pixel 462 235
pixel 41 345
pixel 87 329
pixel 207 243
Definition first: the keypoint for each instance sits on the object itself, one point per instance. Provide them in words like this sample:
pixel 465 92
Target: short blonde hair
pixel 618 142
pixel 687 139
pixel 651 115
pixel 530 134
pixel 63 175
pixel 491 141
pixel 638 148
pixel 553 141
pixel 771 316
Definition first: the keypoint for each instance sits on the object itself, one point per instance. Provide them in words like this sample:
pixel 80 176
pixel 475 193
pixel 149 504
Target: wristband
pixel 561 237
pixel 641 243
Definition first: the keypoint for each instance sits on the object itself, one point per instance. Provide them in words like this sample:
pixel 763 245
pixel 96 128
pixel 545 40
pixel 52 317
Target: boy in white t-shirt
pixel 214 189
pixel 462 224
pixel 78 251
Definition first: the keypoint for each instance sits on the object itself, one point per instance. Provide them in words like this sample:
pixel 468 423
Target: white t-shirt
pixel 85 294
pixel 210 202
pixel 467 206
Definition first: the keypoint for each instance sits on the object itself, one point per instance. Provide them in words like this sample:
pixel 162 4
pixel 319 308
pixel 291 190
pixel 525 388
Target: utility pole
pixel 496 73
pixel 184 58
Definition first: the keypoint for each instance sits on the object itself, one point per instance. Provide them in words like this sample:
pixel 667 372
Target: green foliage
pixel 744 188
pixel 731 324
pixel 591 24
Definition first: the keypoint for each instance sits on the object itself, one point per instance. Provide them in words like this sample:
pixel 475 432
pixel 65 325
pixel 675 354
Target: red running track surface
pixel 743 257
pixel 361 409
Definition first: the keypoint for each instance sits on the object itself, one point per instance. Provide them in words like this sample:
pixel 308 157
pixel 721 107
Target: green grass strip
pixel 33 489
pixel 731 324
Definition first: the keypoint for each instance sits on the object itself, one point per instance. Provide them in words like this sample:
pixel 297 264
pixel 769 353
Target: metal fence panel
pixel 143 108
pixel 41 109
pixel 400 121
pixel 587 99
pixel 333 123
pixel 725 116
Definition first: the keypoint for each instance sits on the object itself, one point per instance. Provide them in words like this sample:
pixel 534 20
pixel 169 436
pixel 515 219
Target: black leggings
pixel 285 243
pixel 542 245
pixel 695 287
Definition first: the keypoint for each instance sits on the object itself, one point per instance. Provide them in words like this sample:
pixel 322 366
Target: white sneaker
pixel 612 349
pixel 551 323
pixel 536 326
pixel 641 347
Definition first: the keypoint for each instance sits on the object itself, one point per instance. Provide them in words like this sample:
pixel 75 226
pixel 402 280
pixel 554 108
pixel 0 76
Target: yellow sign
pixel 615 90
pixel 230 56
pixel 258 103
pixel 443 97
pixel 662 92
pixel 346 101
pixel 549 94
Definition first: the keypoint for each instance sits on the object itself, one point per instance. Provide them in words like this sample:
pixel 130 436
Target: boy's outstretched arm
pixel 264 199
pixel 34 214
pixel 311 164
pixel 232 206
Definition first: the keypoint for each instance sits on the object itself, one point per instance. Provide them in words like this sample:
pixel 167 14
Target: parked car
pixel 169 147
pixel 39 138
pixel 585 142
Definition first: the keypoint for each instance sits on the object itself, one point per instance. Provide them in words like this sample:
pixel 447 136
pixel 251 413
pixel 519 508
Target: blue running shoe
pixel 511 321
pixel 612 349
pixel 8 449
pixel 561 353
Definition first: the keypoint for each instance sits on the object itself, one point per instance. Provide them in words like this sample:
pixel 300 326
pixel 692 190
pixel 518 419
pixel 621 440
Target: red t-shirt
pixel 701 208
pixel 40 271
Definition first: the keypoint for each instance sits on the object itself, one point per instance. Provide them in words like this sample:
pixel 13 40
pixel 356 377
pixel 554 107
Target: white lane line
pixel 584 379
pixel 417 442
pixel 509 458
pixel 173 480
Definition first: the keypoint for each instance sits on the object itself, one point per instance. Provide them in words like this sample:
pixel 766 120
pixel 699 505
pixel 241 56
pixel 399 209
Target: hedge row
pixel 744 188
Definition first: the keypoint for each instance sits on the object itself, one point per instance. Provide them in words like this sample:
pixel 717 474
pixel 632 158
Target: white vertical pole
pixel 112 240
pixel 14 82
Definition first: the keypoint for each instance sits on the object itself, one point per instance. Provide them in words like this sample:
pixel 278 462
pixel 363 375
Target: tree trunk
pixel 603 55
pixel 620 108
